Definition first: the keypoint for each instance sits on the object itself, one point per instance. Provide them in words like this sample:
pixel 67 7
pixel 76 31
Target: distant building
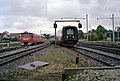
pixel 4 35
pixel 14 35
pixel 109 36
pixel 0 37
pixel 11 35
pixel 85 35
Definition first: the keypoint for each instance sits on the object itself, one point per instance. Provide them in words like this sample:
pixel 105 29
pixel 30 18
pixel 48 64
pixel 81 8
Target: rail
pixel 8 58
pixel 69 72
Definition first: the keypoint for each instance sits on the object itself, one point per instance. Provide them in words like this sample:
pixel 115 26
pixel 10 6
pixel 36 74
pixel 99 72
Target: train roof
pixel 29 33
pixel 26 32
pixel 69 26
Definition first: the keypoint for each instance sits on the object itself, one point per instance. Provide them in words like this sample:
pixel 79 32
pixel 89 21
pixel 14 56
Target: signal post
pixel 55 25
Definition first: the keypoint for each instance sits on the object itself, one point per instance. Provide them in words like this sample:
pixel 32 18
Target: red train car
pixel 27 38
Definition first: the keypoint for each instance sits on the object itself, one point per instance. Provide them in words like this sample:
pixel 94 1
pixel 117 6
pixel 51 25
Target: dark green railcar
pixel 69 36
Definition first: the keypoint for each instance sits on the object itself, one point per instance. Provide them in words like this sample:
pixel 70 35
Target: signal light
pixel 55 25
pixel 79 25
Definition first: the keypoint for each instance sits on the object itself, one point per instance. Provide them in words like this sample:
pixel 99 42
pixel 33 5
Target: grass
pixel 58 60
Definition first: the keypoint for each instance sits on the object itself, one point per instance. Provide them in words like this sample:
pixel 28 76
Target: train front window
pixel 26 35
pixel 70 31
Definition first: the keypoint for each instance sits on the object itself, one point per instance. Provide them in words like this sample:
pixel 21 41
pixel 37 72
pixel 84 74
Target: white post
pixel 90 32
pixel 40 32
pixel 87 25
pixel 113 27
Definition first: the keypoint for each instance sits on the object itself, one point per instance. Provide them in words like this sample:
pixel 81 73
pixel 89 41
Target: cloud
pixel 57 9
pixel 23 7
pixel 35 15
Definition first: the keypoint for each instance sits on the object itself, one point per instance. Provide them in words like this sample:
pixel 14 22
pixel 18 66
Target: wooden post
pixel 63 76
pixel 77 59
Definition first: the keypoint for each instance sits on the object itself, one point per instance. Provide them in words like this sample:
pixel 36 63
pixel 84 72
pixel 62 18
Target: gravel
pixel 11 71
pixel 84 61
pixel 97 75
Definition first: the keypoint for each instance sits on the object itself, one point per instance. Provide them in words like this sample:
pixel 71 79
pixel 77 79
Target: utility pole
pixel 90 32
pixel 40 32
pixel 113 27
pixel 87 26
pixel 112 18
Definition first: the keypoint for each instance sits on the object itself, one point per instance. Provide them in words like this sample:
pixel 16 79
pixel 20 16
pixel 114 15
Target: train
pixel 27 38
pixel 67 36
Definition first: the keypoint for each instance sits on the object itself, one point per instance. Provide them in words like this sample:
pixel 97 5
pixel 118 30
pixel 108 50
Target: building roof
pixel 14 35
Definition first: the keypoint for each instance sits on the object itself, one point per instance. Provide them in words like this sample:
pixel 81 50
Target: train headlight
pixel 72 36
pixel 67 37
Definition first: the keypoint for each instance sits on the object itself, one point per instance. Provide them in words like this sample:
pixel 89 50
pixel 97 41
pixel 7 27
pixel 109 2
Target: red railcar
pixel 27 38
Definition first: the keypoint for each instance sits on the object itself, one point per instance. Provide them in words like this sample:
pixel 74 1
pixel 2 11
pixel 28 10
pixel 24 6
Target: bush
pixel 100 36
pixel 93 37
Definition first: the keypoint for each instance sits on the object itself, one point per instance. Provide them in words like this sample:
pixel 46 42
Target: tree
pixel 94 37
pixel 6 32
pixel 109 31
pixel 47 35
pixel 93 31
pixel 100 36
pixel 118 29
pixel 99 29
pixel 80 34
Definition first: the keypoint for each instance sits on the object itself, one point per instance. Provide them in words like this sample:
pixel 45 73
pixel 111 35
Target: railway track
pixel 105 44
pixel 11 57
pixel 103 48
pixel 109 60
pixel 9 49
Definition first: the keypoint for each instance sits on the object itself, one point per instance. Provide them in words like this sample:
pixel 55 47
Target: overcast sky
pixel 36 15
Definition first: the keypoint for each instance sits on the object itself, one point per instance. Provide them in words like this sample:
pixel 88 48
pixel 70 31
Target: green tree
pixel 93 31
pixel 109 31
pixel 6 32
pixel 94 37
pixel 99 29
pixel 80 34
pixel 118 29
pixel 47 35
pixel 100 36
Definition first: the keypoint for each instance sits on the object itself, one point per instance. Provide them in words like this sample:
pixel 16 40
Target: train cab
pixel 68 36
pixel 27 38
